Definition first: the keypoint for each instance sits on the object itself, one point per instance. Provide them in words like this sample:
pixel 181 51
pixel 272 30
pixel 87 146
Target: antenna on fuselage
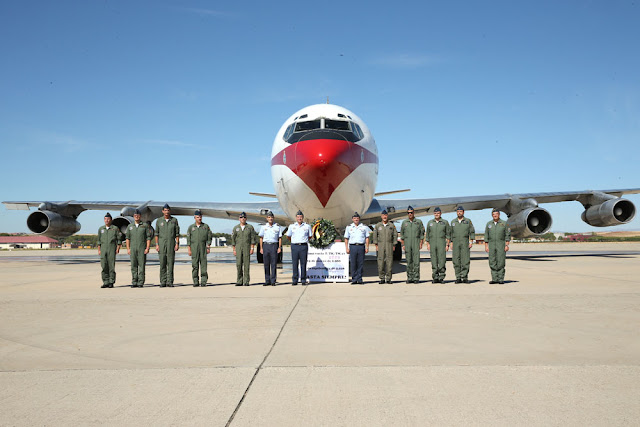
pixel 327 99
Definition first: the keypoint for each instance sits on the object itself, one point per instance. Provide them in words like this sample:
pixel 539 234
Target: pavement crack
pixel 235 411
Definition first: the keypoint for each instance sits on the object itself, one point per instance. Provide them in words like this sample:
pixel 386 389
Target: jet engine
pixel 122 222
pixel 531 221
pixel 52 224
pixel 612 212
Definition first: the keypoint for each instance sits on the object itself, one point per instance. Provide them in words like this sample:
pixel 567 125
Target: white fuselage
pixel 324 162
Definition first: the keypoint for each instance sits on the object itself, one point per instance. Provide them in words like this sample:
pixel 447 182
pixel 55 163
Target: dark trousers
pixel 299 257
pixel 270 259
pixel 356 259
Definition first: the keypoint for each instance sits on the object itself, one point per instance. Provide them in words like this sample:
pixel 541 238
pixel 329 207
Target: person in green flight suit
pixel 438 237
pixel 243 239
pixel 138 241
pixel 109 243
pixel 497 236
pixel 412 236
pixel 385 237
pixel 462 236
pixel 199 238
pixel 167 244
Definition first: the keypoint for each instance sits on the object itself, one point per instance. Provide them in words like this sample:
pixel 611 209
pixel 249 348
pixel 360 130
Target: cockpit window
pixel 288 132
pixel 310 125
pixel 336 124
pixel 357 130
pixel 323 128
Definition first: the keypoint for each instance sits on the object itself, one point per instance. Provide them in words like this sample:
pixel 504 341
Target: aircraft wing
pixel 256 211
pixel 509 203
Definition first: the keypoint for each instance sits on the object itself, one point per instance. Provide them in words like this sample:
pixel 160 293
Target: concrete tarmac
pixel 556 345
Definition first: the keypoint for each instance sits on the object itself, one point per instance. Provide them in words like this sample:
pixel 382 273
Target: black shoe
pixel 170 285
pixel 409 281
pixel 238 284
pixel 382 282
pixel 273 284
pixel 162 285
pixel 355 282
pixel 111 285
pixel 266 284
pixel 203 285
pixel 465 280
pixel 104 286
pixel 501 282
pixel 294 283
pixel 361 282
pixel 458 281
pixel 134 286
pixel 246 284
pixel 492 282
pixel 389 281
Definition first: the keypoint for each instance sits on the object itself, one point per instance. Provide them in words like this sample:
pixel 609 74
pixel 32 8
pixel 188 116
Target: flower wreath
pixel 323 234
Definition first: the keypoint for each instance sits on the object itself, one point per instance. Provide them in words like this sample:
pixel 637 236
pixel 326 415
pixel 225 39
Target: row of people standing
pixel 458 235
pixel 439 236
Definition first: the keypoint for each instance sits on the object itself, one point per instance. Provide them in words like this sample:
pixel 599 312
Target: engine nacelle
pixel 122 222
pixel 611 212
pixel 52 224
pixel 530 222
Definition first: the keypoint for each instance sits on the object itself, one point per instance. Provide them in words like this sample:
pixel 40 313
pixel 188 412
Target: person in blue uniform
pixel 270 246
pixel 356 239
pixel 299 232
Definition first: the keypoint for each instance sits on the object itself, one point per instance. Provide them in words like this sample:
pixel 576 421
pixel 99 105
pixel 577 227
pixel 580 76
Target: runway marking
pixel 265 358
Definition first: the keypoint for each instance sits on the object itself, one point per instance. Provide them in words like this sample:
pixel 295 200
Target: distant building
pixel 28 242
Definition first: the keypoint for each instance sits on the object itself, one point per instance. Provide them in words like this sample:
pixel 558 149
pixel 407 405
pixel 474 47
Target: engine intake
pixel 530 222
pixel 52 224
pixel 611 212
pixel 122 222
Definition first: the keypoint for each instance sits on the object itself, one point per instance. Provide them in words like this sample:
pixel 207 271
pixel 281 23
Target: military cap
pixel 166 206
pixel 437 209
pixel 243 215
pixel 495 210
pixel 108 215
pixel 197 213
pixel 459 208
pixel 299 213
pixel 355 215
pixel 270 214
pixel 384 212
pixel 410 208
pixel 137 212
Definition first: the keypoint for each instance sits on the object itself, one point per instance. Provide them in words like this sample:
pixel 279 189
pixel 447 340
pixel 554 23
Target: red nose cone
pixel 323 163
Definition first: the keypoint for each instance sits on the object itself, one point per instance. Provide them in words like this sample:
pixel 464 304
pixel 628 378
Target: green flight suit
pixel 412 233
pixel 138 238
pixel 242 240
pixel 386 238
pixel 199 239
pixel 108 241
pixel 462 233
pixel 497 236
pixel 438 232
pixel 167 231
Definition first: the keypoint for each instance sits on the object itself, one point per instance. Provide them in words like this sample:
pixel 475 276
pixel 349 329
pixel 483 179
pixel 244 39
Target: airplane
pixel 324 162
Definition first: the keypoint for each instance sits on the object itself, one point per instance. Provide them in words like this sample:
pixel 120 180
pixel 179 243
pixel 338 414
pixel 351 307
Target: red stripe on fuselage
pixel 323 163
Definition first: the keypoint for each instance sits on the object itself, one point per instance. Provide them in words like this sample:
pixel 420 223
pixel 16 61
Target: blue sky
pixel 181 100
